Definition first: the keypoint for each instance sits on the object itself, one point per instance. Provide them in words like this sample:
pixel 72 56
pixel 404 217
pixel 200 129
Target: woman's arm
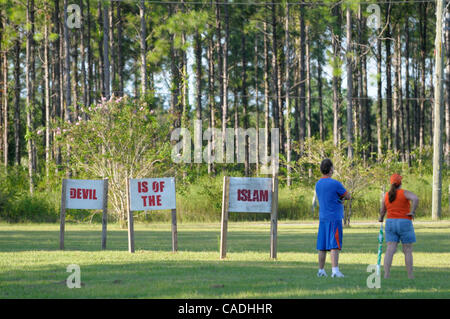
pixel 382 211
pixel 415 201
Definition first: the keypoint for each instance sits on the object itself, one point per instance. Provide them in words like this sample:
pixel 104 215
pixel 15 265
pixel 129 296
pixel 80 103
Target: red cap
pixel 396 179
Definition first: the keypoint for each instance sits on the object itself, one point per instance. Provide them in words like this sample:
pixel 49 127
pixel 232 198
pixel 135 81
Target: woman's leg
pixel 390 251
pixel 407 250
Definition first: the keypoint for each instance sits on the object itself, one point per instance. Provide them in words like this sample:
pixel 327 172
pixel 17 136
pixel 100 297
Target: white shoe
pixel 322 273
pixel 337 274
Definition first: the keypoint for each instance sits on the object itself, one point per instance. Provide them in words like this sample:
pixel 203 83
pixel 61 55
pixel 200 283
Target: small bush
pixel 30 208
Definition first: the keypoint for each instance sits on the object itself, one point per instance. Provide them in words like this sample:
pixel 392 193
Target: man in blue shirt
pixel 330 194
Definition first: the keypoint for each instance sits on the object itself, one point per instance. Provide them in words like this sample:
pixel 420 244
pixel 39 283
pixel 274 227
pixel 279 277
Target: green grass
pixel 31 266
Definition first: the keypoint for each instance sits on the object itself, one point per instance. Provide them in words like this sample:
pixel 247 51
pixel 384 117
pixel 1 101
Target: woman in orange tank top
pixel 399 225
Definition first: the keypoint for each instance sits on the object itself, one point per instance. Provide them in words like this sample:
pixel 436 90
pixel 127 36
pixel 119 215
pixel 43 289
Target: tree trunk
pixel 408 128
pixel 47 91
pixel 416 105
pixel 112 50
pixel 75 79
pixel 367 131
pixel 447 109
pixel 319 90
pixel 89 82
pixel 358 91
pixel 29 104
pixel 225 77
pixel 388 80
pixel 17 88
pixel 423 50
pixel 288 106
pixel 302 88
pixel 120 64
pixel 211 98
pixel 143 47
pixel 56 75
pixel 2 91
pixel 5 107
pixel 400 115
pixel 266 91
pixel 68 97
pixel 84 92
pixel 256 77
pixel 236 124
pixel 431 112
pixel 438 114
pixel 175 79
pixel 198 59
pixel 335 43
pixel 308 83
pixel 106 63
pixel 349 85
pixel 379 104
pixel 275 70
pixel 245 103
pixel 397 95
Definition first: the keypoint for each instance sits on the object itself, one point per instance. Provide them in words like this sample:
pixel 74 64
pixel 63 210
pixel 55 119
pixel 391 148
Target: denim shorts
pixel 400 230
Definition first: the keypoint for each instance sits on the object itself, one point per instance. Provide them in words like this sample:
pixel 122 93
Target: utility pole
pixel 438 112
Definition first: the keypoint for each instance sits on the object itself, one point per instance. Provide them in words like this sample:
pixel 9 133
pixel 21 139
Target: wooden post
pixel 274 219
pixel 105 213
pixel 62 215
pixel 224 224
pixel 130 220
pixel 174 231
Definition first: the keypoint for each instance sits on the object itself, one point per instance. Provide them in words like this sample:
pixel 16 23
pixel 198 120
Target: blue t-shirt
pixel 329 193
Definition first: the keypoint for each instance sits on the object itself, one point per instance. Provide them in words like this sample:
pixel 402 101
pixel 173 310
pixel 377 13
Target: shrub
pixel 117 139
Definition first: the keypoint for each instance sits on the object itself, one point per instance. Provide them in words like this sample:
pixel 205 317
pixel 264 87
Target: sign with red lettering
pixel 84 194
pixel 250 194
pixel 152 194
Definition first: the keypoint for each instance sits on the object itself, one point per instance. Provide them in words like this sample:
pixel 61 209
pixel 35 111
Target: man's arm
pixel 346 196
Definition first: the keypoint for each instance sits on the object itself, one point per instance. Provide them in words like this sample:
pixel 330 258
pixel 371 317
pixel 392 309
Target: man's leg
pixel 322 258
pixel 390 251
pixel 407 250
pixel 334 258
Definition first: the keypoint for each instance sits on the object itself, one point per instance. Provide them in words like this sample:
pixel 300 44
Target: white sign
pixel 84 194
pixel 250 194
pixel 152 194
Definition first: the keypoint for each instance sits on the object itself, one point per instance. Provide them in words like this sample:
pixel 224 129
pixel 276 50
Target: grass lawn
pixel 31 266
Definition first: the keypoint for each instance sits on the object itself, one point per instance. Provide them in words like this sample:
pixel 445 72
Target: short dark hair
pixel 326 166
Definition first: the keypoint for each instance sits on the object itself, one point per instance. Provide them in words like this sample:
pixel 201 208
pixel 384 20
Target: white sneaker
pixel 322 273
pixel 337 274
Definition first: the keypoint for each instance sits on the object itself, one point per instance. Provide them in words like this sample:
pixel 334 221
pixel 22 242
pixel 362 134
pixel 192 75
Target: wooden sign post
pixel 83 194
pixel 151 194
pixel 274 219
pixel 224 224
pixel 250 195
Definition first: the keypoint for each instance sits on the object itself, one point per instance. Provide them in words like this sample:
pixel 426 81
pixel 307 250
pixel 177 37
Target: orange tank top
pixel 399 207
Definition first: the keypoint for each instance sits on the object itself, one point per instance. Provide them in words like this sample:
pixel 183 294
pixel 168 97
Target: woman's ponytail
pixel 393 192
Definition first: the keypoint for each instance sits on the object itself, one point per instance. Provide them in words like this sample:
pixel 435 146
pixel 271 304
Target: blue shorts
pixel 400 230
pixel 329 235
